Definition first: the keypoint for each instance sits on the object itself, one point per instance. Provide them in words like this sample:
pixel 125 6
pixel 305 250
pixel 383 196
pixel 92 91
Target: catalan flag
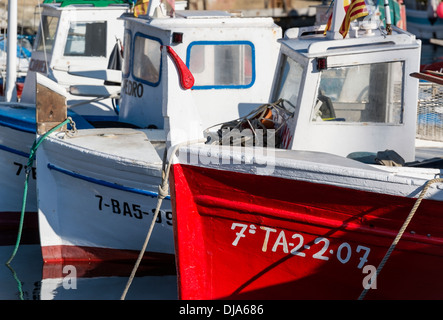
pixel 141 7
pixel 328 24
pixel 355 10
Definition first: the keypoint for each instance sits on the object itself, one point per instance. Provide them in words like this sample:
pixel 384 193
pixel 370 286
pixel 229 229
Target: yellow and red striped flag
pixel 355 10
pixel 345 7
pixel 141 7
pixel 328 24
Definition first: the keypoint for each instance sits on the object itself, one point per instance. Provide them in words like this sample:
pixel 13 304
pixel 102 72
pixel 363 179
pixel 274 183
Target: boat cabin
pixel 195 69
pixel 349 95
pixel 73 35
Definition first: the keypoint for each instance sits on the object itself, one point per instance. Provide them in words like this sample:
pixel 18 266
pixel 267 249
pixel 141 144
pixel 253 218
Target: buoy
pixel 440 10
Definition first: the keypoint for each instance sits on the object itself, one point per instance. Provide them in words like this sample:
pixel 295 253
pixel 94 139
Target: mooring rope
pixel 162 193
pixel 31 159
pixel 17 280
pixel 402 230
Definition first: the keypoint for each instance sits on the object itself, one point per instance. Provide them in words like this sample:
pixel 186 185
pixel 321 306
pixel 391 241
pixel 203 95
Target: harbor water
pixel 28 278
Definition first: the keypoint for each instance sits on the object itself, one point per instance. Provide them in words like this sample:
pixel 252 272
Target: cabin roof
pixel 93 3
pixel 315 43
pixel 204 18
pixel 203 14
pixel 85 5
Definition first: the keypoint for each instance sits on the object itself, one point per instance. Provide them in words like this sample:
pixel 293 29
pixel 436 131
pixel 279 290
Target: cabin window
pixel 221 64
pixel 86 39
pixel 146 64
pixel 362 93
pixel 289 82
pixel 48 30
pixel 126 53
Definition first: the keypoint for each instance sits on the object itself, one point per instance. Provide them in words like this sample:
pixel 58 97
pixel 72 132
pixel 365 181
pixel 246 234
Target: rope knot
pixel 73 130
pixel 28 170
pixel 163 191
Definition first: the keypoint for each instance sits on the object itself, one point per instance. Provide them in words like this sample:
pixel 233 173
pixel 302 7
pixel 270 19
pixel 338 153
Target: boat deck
pixel 428 150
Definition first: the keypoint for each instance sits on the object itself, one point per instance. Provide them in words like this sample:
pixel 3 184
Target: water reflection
pixel 28 278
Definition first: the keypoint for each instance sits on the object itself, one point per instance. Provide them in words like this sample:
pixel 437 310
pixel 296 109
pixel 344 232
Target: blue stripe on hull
pixel 104 183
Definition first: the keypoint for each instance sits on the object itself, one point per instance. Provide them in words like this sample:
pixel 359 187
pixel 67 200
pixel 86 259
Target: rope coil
pixel 270 118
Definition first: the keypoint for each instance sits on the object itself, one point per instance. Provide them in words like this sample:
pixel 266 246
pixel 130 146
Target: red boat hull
pixel 244 236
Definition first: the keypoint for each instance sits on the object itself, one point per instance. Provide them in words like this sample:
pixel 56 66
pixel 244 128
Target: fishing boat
pixel 72 39
pixel 98 189
pixel 340 203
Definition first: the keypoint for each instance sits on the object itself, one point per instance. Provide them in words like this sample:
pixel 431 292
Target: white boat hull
pixel 14 153
pixel 17 135
pixel 96 206
pixel 14 157
pixel 17 119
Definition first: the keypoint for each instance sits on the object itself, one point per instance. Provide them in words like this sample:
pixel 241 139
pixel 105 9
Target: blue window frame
pixel 221 64
pixel 127 42
pixel 146 62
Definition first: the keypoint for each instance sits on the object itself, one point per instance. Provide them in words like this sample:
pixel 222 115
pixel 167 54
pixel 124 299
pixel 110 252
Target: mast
pixel 388 17
pixel 338 14
pixel 11 62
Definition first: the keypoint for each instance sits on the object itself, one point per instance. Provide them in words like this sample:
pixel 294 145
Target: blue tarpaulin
pixel 22 52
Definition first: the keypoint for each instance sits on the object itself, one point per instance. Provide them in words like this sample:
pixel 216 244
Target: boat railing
pixel 430 112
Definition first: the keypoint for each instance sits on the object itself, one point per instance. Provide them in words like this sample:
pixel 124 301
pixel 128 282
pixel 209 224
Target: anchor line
pixel 162 192
pixel 31 159
pixel 402 230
